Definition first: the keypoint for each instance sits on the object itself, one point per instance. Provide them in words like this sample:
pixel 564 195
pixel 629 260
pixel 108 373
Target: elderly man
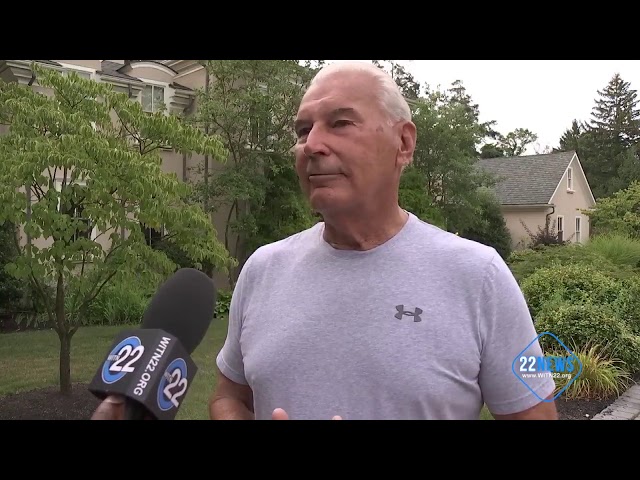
pixel 372 313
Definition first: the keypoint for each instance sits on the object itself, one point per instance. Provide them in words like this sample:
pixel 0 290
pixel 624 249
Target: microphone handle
pixel 134 410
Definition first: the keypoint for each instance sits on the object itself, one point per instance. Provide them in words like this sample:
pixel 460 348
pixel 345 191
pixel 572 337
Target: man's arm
pixel 542 411
pixel 231 400
pixel 508 335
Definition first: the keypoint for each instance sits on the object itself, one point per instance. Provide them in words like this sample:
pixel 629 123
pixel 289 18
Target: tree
pixel 409 86
pixel 94 184
pixel 251 105
pixel 489 226
pixel 618 213
pixel 515 143
pixel 608 144
pixel 616 112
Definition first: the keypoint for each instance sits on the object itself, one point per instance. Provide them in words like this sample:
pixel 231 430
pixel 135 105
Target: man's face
pixel 347 154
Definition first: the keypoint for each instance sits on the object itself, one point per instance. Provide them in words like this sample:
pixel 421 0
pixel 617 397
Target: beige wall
pixel 533 217
pixel 569 202
pixel 95 64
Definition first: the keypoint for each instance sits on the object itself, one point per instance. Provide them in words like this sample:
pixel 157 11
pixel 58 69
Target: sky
pixel 541 95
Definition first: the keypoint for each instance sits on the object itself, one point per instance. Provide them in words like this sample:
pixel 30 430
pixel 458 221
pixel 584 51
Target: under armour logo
pixel 402 312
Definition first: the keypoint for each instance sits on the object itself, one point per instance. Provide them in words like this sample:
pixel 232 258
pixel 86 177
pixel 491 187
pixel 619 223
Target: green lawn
pixel 30 360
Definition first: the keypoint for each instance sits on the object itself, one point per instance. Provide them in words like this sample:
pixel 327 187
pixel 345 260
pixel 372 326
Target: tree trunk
pixel 65 363
pixel 65 339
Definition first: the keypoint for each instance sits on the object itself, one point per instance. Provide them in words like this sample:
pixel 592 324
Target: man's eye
pixel 342 123
pixel 302 132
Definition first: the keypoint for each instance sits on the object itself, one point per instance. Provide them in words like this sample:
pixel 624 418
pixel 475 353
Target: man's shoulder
pixel 283 248
pixel 437 242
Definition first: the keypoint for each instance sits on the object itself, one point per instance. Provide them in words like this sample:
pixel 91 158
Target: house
pixel 532 188
pixel 153 83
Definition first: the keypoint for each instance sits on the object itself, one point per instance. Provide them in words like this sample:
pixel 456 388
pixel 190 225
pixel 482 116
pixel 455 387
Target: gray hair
pixel 389 95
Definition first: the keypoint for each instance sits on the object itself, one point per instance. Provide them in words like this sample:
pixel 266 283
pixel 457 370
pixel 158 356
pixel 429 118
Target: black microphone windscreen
pixel 183 306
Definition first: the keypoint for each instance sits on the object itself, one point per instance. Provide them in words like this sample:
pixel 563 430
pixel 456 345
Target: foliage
pixel 545 236
pixel 578 284
pixel 627 303
pixel 414 197
pixel 618 213
pixel 90 158
pixel 524 262
pixel 122 301
pixel 601 377
pixel 10 289
pixel 489 226
pixel 223 302
pixel 618 248
pixel 583 323
pixel 251 104
pixel 608 144
pixel 445 154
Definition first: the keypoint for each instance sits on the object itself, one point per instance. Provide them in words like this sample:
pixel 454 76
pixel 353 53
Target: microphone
pixel 151 366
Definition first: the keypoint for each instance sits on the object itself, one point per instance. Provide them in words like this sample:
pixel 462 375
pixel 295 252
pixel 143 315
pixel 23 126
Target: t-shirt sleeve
pixel 508 333
pixel 230 360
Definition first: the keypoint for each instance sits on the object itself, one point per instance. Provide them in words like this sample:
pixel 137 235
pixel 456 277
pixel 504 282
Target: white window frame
pixel 165 97
pixel 570 179
pixel 560 220
pixel 578 226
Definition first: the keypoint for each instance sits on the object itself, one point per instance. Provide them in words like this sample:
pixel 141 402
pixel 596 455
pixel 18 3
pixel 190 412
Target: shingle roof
pixel 111 68
pixel 529 179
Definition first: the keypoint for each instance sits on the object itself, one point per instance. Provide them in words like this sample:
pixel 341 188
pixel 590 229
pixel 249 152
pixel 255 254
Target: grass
pixel 617 248
pixel 30 361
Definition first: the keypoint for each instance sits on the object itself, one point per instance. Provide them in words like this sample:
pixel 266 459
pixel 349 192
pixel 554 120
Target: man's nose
pixel 316 143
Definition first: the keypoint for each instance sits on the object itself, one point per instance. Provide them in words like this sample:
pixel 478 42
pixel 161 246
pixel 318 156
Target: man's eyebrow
pixel 333 113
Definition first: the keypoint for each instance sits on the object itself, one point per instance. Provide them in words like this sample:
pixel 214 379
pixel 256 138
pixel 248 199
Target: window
pixel 560 228
pixel 152 98
pixel 569 179
pixel 151 235
pixel 578 226
pixel 90 231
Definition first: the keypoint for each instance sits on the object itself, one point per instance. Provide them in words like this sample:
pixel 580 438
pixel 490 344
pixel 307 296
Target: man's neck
pixel 364 231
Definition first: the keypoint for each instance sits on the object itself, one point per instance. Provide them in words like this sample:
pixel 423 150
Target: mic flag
pixel 152 366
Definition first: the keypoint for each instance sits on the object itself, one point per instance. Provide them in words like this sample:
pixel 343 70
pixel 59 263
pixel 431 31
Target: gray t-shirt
pixel 426 326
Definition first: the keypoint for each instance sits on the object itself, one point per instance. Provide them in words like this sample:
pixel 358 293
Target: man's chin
pixel 326 200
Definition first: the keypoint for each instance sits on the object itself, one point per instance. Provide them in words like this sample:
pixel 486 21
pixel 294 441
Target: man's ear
pixel 408 134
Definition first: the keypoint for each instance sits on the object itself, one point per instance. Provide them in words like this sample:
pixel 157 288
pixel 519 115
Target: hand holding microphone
pixel 148 371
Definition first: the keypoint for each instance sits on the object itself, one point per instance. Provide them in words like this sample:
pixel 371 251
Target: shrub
pixel 223 302
pixel 627 304
pixel 524 262
pixel 601 377
pixel 618 248
pixel 585 324
pixel 489 226
pixel 10 287
pixel 121 302
pixel 579 283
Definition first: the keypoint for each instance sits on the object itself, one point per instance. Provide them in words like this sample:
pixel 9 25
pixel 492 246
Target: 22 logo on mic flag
pixel 122 359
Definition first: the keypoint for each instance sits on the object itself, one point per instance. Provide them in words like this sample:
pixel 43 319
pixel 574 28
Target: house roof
pixel 111 68
pixel 528 179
